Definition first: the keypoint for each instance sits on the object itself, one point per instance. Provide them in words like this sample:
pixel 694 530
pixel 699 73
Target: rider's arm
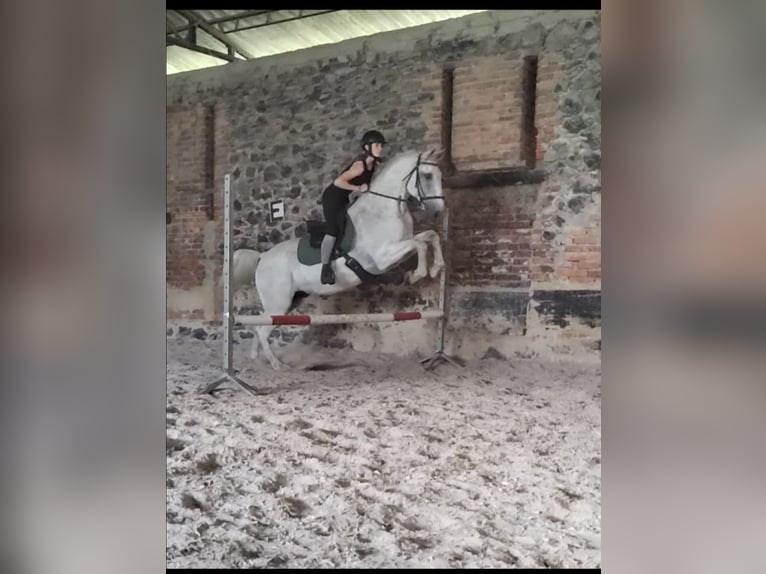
pixel 343 180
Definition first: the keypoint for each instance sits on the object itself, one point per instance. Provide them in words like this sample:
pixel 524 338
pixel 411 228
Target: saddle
pixel 309 252
pixel 311 242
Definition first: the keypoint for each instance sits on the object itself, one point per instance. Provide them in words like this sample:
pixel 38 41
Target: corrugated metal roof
pixel 327 28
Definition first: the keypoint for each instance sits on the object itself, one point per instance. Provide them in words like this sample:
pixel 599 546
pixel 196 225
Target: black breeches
pixel 334 204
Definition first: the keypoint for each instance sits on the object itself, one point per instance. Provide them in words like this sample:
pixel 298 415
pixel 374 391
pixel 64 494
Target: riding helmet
pixel 371 137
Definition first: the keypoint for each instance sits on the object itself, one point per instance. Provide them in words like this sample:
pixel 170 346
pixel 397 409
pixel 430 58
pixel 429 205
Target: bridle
pixel 416 172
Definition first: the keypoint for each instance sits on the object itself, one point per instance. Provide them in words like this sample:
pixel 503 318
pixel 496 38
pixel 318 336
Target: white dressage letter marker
pixel 277 210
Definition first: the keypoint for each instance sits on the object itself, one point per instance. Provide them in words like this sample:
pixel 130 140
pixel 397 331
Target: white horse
pixel 383 238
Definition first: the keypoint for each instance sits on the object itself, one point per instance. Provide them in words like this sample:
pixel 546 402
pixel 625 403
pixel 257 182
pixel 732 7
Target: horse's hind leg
pixel 276 298
pixel 262 334
pixel 254 347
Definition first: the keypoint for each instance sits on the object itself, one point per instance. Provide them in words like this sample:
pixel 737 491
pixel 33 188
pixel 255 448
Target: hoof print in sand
pixel 416 542
pixel 278 560
pixel 174 445
pixel 299 424
pixel 295 507
pixel 364 551
pixel 343 482
pixel 316 439
pixel 274 484
pixel 190 501
pixel 209 464
pixel 249 551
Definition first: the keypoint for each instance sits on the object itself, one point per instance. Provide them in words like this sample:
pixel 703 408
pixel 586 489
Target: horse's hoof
pixel 415 277
pixel 410 278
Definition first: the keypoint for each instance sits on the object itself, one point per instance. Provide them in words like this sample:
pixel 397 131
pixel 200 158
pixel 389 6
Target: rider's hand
pixel 364 187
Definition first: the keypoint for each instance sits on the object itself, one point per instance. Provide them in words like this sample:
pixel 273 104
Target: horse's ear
pixel 436 154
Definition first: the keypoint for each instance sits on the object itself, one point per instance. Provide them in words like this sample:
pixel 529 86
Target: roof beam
pixel 197 20
pixel 223 19
pixel 270 21
pixel 173 41
pixel 240 16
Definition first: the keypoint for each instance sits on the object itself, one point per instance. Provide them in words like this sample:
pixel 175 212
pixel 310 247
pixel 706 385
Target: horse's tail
pixel 243 264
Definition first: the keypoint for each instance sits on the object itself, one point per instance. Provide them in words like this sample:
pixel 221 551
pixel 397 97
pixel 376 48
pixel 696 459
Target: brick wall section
pixel 490 237
pixel 187 199
pixel 580 261
pixel 487 112
pixel 487 106
pixel 549 74
pixel 431 107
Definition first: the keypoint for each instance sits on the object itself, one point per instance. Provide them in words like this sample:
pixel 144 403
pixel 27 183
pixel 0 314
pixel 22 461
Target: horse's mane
pixel 389 164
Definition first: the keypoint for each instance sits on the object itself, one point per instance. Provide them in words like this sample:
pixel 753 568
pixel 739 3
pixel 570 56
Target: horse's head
pixel 424 182
pixel 411 175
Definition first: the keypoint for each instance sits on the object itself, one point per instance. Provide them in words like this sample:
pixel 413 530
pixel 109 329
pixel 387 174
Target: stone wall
pixel 566 263
pixel 283 126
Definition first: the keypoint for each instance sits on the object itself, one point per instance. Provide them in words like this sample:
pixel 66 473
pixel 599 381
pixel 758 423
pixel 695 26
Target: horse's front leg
pixel 432 237
pixel 420 271
pixel 390 254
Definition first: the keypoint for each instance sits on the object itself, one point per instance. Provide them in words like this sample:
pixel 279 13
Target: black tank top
pixel 366 175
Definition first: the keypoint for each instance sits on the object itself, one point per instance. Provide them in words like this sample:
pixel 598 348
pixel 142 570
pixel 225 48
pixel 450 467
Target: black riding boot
pixel 328 275
pixel 328 246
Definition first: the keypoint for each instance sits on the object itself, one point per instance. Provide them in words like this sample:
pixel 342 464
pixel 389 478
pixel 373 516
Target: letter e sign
pixel 277 210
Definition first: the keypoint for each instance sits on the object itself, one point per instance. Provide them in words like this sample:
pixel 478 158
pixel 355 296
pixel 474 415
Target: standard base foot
pixel 208 390
pixel 440 356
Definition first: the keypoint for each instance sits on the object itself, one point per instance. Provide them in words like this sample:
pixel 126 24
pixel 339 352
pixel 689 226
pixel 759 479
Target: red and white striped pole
pixel 337 319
